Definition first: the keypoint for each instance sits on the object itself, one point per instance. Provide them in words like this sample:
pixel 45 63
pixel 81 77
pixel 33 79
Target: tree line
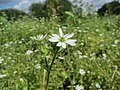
pixel 57 8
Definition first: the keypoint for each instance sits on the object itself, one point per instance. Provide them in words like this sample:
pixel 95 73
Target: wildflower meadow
pixel 50 54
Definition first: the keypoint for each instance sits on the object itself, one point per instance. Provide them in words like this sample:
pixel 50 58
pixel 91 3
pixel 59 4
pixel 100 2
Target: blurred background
pixel 47 8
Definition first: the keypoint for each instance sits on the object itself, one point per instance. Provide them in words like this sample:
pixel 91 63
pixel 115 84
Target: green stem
pixel 49 68
pixel 48 76
pixel 46 63
pixel 44 79
pixel 114 73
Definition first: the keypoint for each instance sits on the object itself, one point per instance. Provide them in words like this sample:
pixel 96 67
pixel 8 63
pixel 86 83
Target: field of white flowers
pixel 76 54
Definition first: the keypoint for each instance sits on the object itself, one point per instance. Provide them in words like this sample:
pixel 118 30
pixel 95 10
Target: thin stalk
pixel 46 63
pixel 114 73
pixel 48 76
pixel 44 79
pixel 49 68
pixel 101 69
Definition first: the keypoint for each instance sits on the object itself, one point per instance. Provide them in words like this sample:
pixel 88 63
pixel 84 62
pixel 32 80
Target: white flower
pixel 82 44
pixel 88 71
pixel 61 57
pixel 21 79
pixel 80 53
pixel 6 45
pixel 15 72
pixel 36 50
pixel 117 41
pixel 79 87
pixel 38 37
pixel 113 45
pixel 37 66
pixel 84 56
pixel 100 34
pixel 81 71
pixel 72 82
pixel 20 42
pixel 104 56
pixel 63 39
pixel 29 52
pixel 2 76
pixel 97 85
pixel 97 30
pixel 1 60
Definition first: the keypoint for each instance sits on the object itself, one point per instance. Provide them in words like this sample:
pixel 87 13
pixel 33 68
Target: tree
pixel 50 7
pixel 12 14
pixel 58 7
pixel 110 8
pixel 38 10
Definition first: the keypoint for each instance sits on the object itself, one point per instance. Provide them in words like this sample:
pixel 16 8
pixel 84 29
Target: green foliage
pixel 50 7
pixel 3 23
pixel 12 14
pixel 110 8
pixel 38 10
pixel 97 53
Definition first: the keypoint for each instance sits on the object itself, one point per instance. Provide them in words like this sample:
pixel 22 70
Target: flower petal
pixel 55 35
pixel 63 44
pixel 53 39
pixel 45 35
pixel 69 35
pixel 60 31
pixel 71 42
pixel 41 36
pixel 59 44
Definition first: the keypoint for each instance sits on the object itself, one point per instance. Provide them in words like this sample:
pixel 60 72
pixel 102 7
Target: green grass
pixel 97 52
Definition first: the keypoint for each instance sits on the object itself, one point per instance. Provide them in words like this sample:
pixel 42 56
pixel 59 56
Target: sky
pixel 24 4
